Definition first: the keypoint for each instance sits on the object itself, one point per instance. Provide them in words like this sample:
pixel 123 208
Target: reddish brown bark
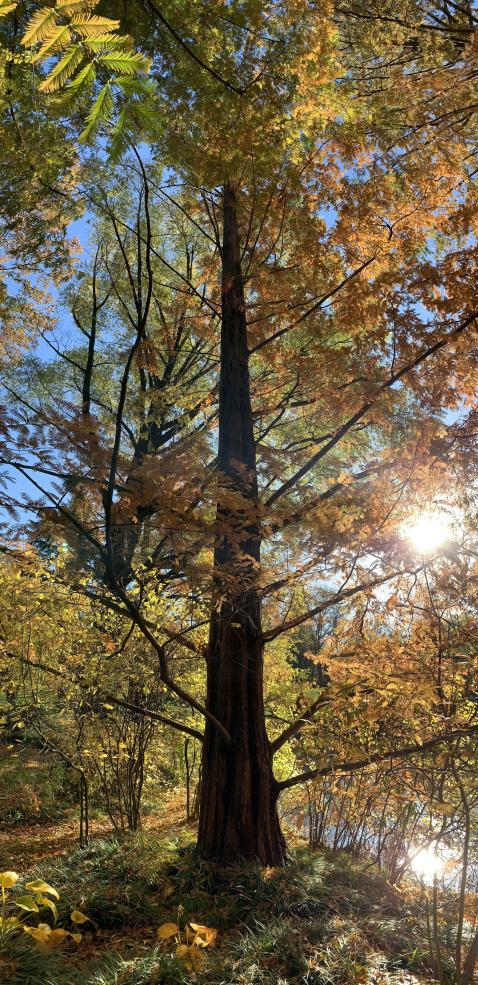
pixel 238 812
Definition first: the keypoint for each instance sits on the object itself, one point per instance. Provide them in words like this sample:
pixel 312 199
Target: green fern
pixel 39 26
pixel 99 113
pixel 137 87
pixel 120 137
pixel 125 61
pixel 135 118
pixel 106 42
pixel 146 116
pixel 83 40
pixel 148 113
pixel 58 38
pixel 63 70
pixel 80 87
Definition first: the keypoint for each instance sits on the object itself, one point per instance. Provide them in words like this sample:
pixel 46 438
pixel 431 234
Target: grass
pixel 320 921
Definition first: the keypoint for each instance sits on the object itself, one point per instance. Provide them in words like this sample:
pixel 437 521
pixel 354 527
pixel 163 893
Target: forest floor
pixel 320 921
pixel 31 843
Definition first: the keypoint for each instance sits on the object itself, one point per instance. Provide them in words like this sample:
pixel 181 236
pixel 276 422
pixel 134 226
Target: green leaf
pixel 99 113
pixel 146 116
pixel 80 86
pixel 57 39
pixel 63 70
pixel 136 87
pixel 121 136
pixel 127 62
pixel 104 42
pixel 27 903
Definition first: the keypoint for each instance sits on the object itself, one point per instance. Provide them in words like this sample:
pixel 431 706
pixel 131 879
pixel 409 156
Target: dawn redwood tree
pixel 238 808
pixel 315 274
pixel 238 812
pixel 238 816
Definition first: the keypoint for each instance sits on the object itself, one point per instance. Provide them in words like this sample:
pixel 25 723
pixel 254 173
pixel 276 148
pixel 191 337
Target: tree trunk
pixel 470 962
pixel 238 816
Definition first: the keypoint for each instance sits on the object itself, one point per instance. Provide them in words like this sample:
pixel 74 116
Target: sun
pixel 429 532
pixel 427 864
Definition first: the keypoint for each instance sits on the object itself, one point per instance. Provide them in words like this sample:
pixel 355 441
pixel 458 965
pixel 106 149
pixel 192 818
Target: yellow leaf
pixel 392 602
pixel 58 38
pixel 78 917
pixel 44 901
pixel 40 933
pixel 443 808
pixel 192 957
pixel 8 879
pixel 167 930
pixel 204 936
pixel 196 959
pixel 57 937
pixel 39 26
pixel 39 886
pixel 168 890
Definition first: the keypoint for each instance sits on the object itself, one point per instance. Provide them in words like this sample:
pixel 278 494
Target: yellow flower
pixel 8 879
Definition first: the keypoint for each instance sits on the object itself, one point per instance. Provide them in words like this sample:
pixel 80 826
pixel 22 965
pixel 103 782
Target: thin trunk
pixel 188 780
pixel 464 875
pixel 470 962
pixel 238 811
pixel 84 812
pixel 436 935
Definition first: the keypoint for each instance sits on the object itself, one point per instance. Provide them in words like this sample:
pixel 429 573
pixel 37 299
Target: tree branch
pixel 363 410
pixel 340 596
pixel 297 725
pixel 379 757
pixel 106 696
pixel 177 37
